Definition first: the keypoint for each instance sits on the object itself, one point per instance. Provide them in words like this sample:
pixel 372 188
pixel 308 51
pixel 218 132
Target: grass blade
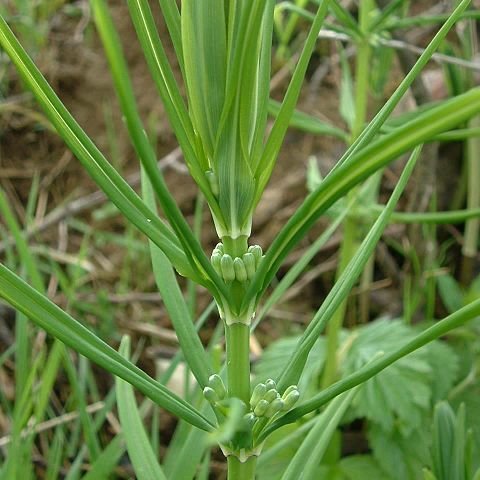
pixel 107 460
pixel 140 451
pixel 61 325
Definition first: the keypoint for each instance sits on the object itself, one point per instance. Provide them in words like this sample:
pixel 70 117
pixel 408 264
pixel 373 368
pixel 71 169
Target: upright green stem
pixel 472 227
pixel 238 361
pixel 347 251
pixel 241 471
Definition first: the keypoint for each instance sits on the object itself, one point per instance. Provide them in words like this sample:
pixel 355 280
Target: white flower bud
pixel 249 262
pixel 228 271
pixel 216 383
pixel 210 395
pixel 258 393
pixel 276 406
pixel 240 272
pixel 261 408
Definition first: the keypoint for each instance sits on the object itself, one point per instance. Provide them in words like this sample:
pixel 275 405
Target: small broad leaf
pixel 408 454
pixel 143 459
pixel 451 292
pixel 399 395
pixel 362 467
pixel 275 358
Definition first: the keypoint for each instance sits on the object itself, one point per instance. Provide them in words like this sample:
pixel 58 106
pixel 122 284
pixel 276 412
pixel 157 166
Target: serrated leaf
pixel 398 456
pixel 399 395
pixel 361 467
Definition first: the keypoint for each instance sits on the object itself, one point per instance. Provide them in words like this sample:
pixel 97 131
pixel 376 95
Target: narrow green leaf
pixel 107 460
pixel 359 167
pixel 177 308
pixel 441 328
pixel 61 325
pixel 143 147
pixel 204 40
pixel 107 178
pixel 305 462
pixel 143 459
pixel 342 287
pixel 308 123
pixel 171 15
pixel 265 166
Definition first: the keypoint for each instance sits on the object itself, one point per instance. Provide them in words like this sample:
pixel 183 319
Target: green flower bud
pixel 240 272
pixel 258 392
pixel 249 262
pixel 216 260
pixel 270 384
pixel 213 181
pixel 290 400
pixel 250 419
pixel 220 248
pixel 276 406
pixel 271 395
pixel 291 388
pixel 216 383
pixel 210 395
pixel 228 271
pixel 257 252
pixel 261 408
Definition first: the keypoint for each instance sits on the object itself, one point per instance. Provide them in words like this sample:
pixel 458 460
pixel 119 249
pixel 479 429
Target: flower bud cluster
pixel 215 391
pixel 241 268
pixel 266 401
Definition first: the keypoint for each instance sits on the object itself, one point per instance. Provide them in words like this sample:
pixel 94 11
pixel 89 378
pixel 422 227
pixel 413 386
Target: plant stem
pixel 241 471
pixel 472 227
pixel 238 361
pixel 348 249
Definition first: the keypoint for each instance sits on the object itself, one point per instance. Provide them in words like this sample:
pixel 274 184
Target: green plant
pixel 224 53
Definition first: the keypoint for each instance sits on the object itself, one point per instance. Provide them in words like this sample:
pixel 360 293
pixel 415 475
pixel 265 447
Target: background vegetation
pixel 58 413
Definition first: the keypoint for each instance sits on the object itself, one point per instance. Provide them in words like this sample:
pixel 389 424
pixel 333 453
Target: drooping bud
pixel 261 408
pixel 258 393
pixel 210 395
pixel 228 271
pixel 216 384
pixel 240 271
